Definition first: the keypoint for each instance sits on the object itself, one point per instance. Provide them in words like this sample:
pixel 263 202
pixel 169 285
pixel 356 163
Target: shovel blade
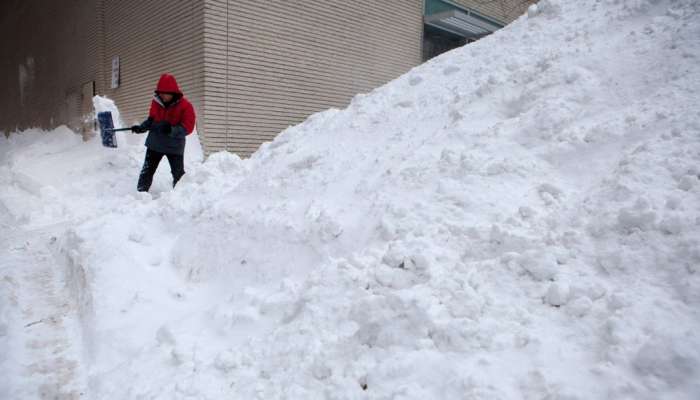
pixel 104 119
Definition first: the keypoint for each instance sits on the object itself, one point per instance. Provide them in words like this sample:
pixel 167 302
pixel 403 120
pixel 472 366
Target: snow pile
pixel 105 104
pixel 518 218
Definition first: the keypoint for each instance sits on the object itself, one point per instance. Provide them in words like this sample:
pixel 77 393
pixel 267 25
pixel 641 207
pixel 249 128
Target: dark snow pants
pixel 150 164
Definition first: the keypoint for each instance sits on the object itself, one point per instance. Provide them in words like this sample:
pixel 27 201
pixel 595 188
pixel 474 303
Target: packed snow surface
pixel 515 219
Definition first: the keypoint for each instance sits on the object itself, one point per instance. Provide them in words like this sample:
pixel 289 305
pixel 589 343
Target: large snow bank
pixel 518 218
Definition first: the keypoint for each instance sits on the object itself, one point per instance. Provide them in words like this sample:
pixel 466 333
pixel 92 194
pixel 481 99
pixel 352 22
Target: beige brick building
pixel 251 68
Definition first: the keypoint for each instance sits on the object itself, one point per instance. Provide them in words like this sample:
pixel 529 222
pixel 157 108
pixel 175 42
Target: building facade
pixel 250 68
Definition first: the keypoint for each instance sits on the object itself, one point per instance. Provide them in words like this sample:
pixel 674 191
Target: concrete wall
pixel 270 64
pixel 49 50
pixel 53 52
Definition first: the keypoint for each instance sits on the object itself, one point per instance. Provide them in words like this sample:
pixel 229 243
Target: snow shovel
pixel 107 130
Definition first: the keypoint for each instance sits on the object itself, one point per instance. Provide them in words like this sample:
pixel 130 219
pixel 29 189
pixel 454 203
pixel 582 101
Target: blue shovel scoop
pixel 107 129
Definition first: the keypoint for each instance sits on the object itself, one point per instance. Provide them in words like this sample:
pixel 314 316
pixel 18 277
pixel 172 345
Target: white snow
pixel 516 219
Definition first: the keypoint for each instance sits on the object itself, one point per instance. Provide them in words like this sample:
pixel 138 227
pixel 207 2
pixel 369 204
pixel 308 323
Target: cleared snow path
pixel 44 328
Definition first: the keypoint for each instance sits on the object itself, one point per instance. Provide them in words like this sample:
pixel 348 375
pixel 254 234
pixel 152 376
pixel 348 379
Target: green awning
pixel 460 21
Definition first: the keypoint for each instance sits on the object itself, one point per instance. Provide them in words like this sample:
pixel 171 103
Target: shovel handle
pixel 117 130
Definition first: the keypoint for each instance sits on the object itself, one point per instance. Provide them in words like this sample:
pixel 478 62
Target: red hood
pixel 168 84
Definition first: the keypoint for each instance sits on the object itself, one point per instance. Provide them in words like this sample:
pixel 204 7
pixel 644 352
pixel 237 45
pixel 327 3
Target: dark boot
pixel 150 164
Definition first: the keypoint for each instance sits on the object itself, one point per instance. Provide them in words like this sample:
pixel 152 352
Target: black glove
pixel 138 129
pixel 144 127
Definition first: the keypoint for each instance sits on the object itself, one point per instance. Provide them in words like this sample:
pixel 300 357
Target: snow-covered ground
pixel 516 219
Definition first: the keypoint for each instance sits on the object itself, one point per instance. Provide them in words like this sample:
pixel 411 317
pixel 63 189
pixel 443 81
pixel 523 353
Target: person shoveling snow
pixel 170 119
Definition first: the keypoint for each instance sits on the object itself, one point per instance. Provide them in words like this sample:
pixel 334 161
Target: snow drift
pixel 518 218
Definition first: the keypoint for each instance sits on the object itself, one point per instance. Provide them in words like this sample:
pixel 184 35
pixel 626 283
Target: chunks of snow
pixel 638 217
pixel 541 265
pixel 668 360
pixel 558 294
pixel 580 306
pixel 687 182
pixel 415 80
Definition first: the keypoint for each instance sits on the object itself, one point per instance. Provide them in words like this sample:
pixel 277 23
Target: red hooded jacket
pixel 178 112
